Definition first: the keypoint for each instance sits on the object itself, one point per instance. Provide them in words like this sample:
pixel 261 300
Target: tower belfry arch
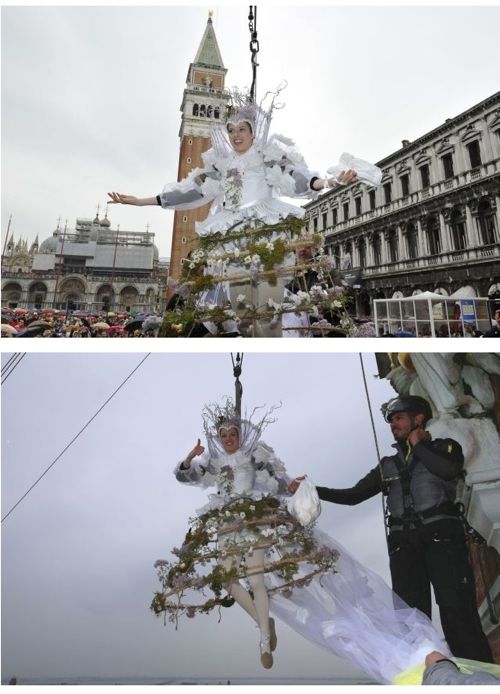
pixel 204 101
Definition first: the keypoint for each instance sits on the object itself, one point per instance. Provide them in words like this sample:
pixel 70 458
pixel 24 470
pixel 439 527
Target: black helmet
pixel 407 403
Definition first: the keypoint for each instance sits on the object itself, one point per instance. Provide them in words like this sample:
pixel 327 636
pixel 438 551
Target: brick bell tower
pixel 203 103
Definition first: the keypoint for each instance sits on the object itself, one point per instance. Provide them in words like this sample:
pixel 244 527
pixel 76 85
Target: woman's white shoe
pixel 266 657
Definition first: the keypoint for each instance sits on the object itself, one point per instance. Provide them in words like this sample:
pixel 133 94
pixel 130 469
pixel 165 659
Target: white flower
pixel 256 258
pixel 243 515
pixel 251 507
pixel 192 266
pixel 248 260
pixel 337 304
pixel 211 188
pixel 273 176
pixel 270 246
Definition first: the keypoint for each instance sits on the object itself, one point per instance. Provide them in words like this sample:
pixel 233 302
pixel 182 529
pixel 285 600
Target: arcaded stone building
pixel 92 267
pixel 432 224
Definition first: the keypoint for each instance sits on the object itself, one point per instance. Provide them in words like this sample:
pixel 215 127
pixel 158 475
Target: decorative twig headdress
pixel 242 108
pixel 217 417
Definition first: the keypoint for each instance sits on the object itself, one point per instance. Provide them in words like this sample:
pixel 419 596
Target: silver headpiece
pixel 216 417
pixel 241 108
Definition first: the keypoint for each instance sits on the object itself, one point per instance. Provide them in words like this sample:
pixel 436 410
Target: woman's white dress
pixel 350 611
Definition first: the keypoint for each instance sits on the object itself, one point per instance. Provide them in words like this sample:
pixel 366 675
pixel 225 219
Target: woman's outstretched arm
pixel 131 200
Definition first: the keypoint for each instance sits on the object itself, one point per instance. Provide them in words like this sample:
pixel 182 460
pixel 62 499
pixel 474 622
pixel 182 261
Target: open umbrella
pixel 33 330
pixel 8 329
pixel 115 329
pixel 134 324
pixel 101 325
pixel 152 323
pixel 39 324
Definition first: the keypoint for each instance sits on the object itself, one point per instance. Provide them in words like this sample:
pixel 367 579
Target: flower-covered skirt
pixel 292 556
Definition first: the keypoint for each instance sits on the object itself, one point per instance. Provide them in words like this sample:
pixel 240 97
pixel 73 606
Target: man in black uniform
pixel 426 539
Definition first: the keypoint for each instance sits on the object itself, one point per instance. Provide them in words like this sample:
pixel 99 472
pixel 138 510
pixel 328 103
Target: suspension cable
pixel 9 362
pixel 254 49
pixel 18 359
pixel 76 437
pixel 238 388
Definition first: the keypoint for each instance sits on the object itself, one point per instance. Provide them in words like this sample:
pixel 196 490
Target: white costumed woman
pixel 241 466
pixel 244 175
pixel 253 530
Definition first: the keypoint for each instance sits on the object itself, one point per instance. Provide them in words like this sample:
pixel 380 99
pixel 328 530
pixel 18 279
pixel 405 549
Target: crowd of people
pixel 20 322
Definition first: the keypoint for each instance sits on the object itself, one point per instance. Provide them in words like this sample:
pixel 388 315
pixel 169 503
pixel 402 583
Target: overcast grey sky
pixel 91 95
pixel 78 552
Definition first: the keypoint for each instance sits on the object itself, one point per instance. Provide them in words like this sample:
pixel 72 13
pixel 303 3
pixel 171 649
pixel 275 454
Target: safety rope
pixel 254 49
pixel 384 507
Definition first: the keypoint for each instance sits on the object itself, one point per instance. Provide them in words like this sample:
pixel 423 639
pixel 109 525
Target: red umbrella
pixel 115 329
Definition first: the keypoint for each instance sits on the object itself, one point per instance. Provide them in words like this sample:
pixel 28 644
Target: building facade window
pixel 357 202
pixel 474 154
pixel 188 160
pixel 203 110
pixel 447 161
pixel 345 208
pixel 405 185
pixel 487 223
pixel 216 112
pixel 315 224
pixel 412 241
pixel 336 255
pixel 362 253
pixel 335 215
pixel 371 195
pixel 392 243
pixel 388 192
pixel 433 236
pixel 458 230
pixel 424 176
pixel 324 219
pixel 377 256
pixel 196 109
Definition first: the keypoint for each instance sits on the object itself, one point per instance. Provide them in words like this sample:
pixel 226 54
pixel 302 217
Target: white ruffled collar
pixel 232 459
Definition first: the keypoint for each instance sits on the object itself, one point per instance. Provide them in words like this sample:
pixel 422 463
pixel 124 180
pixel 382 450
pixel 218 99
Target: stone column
pixel 473 236
pixel 445 233
pixel 422 245
pixel 383 246
pixel 369 250
pixel 497 214
pixel 402 247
